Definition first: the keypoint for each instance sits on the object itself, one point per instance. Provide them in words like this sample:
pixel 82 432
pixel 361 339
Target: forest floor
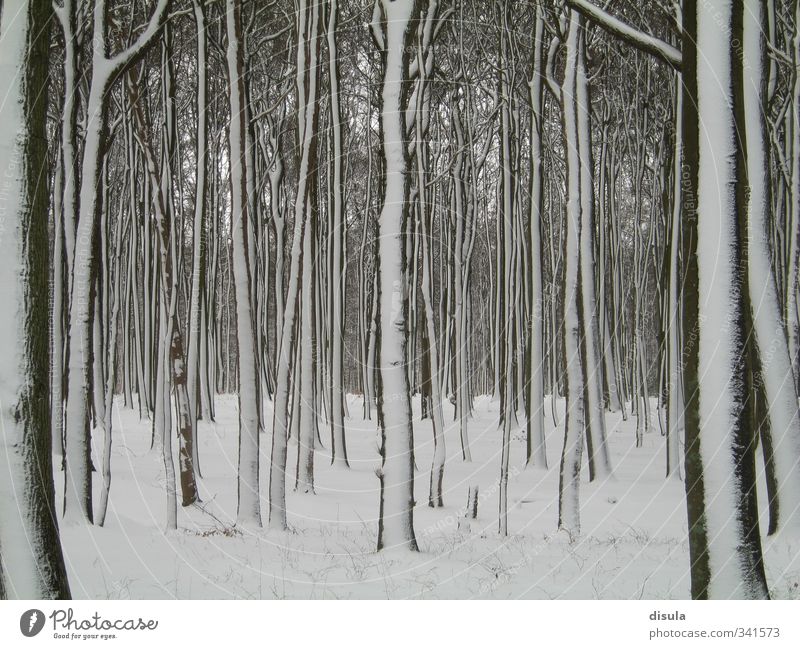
pixel 633 543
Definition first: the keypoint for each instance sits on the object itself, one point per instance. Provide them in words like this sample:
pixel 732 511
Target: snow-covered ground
pixel 633 542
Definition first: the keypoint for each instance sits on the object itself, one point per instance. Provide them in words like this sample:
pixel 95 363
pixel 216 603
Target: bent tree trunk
pixel 78 474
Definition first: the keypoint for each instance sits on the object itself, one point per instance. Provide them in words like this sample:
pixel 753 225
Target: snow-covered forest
pixel 400 298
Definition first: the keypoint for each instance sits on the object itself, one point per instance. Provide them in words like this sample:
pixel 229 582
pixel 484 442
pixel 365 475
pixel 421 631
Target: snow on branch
pixel 153 27
pixel 630 35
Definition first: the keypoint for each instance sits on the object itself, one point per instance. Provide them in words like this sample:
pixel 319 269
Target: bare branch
pixel 632 36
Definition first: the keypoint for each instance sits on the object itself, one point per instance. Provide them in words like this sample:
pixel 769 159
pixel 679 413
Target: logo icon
pixel 31 622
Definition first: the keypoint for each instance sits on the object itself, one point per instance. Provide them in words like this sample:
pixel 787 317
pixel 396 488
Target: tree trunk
pixel 248 507
pixel 33 565
pixel 396 517
pixel 575 425
pixel 724 540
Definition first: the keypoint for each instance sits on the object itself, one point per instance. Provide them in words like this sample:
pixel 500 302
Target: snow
pixel 633 545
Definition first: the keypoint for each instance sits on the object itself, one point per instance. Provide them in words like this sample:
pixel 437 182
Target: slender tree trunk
pixel 338 442
pixel 248 508
pixel 599 458
pixel 575 426
pixel 198 247
pixel 536 449
pixel 308 116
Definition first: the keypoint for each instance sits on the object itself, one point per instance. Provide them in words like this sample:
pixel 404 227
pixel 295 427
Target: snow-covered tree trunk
pixel 536 449
pixel 776 375
pixel 111 376
pixel 597 447
pixel 338 442
pixel 605 308
pixel 459 351
pixel 724 540
pixel 98 322
pixel 396 517
pixel 198 247
pixel 304 407
pixel 173 359
pixel 365 297
pixel 575 425
pixel 248 508
pixel 307 116
pixel 78 475
pixel 791 303
pixel 422 206
pixel 278 224
pixel 675 405
pixel 435 496
pixel 67 20
pixel 506 222
pixel 32 561
pixel 57 317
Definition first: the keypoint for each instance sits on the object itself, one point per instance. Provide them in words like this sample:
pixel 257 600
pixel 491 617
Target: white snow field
pixel 633 543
